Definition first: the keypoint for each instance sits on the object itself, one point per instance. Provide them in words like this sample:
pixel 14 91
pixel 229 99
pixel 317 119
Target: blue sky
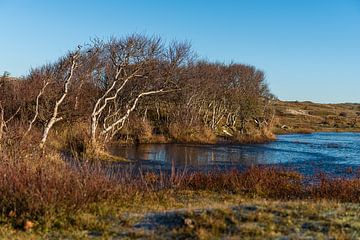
pixel 309 49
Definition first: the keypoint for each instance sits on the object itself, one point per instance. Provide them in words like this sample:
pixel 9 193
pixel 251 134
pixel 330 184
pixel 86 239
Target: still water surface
pixel 308 153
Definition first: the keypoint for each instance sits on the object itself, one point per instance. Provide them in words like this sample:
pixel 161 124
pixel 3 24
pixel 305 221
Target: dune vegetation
pixel 56 122
pixel 308 117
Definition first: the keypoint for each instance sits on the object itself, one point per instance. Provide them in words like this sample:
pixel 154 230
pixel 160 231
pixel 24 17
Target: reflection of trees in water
pixel 183 155
pixel 281 152
pixel 192 155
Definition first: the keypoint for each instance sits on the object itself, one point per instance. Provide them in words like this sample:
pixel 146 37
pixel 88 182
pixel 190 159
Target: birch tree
pixel 135 67
pixel 73 61
pixel 46 82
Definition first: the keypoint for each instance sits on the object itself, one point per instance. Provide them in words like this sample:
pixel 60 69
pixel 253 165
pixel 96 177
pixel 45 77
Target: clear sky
pixel 309 49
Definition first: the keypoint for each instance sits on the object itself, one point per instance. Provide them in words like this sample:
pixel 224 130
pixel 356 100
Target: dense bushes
pixel 38 189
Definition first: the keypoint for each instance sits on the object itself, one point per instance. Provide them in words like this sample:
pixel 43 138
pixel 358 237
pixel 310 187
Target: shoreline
pixel 310 131
pixel 232 142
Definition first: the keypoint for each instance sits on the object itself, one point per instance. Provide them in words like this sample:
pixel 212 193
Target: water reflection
pixel 189 155
pixel 305 151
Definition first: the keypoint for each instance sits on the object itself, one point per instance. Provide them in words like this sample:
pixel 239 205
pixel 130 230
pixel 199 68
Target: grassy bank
pixel 43 197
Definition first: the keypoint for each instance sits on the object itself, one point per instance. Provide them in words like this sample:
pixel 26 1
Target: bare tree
pixel 125 84
pixel 46 82
pixel 135 65
pixel 55 118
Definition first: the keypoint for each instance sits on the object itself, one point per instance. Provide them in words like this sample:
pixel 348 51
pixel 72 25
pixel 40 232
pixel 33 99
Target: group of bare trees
pixel 226 94
pixel 111 85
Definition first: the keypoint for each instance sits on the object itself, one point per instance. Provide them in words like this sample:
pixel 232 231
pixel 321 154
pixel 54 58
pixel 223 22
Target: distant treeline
pixel 136 89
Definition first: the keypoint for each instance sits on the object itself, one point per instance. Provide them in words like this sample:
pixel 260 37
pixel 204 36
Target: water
pixel 308 153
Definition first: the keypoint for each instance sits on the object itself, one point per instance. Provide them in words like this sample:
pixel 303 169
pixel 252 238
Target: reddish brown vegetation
pixel 273 183
pixel 34 190
pixel 38 187
pixel 31 190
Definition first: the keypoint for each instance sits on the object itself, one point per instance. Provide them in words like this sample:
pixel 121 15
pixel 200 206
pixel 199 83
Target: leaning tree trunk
pixel 121 120
pixel 54 119
pixel 41 92
pixel 105 99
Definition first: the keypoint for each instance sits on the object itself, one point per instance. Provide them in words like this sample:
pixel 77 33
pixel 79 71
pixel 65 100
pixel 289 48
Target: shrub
pixel 33 189
pixel 343 114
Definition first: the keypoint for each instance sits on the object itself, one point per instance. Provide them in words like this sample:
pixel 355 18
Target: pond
pixel 307 153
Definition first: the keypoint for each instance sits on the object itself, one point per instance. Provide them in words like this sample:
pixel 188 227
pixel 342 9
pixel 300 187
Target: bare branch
pixel 132 108
pixel 54 119
pixel 41 92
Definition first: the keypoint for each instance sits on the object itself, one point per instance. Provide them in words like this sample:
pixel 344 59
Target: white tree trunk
pixel 54 119
pixel 99 108
pixel 41 92
pixel 122 120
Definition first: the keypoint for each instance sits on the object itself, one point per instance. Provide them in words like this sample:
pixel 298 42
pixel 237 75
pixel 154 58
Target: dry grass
pixel 307 117
pixel 36 189
pixel 254 138
pixel 187 134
